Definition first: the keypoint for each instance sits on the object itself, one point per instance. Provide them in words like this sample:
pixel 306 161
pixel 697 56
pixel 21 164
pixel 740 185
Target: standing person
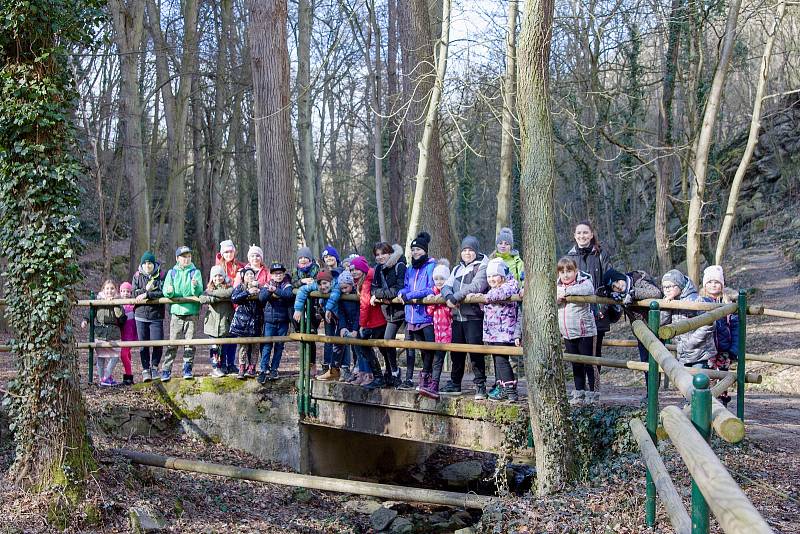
pixel 696 347
pixel 148 283
pixel 255 260
pixel 226 258
pixel 326 310
pixel 389 278
pixel 467 277
pixel 183 280
pixel 219 314
pixel 372 323
pixel 128 333
pixel 505 250
pixel 246 320
pixel 502 326
pixel 442 327
pixel 726 329
pixel 577 326
pixel 277 298
pixel 108 322
pixel 347 326
pixel 331 261
pixel 306 269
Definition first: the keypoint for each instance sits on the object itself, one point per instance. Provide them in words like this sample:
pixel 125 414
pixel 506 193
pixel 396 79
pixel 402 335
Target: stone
pixel 382 517
pixel 401 525
pixel 460 519
pixel 302 495
pixel 143 520
pixel 465 530
pixel 366 507
pixel 462 473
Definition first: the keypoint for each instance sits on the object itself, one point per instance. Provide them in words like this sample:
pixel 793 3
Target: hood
pixel 574 251
pixel 187 268
pixel 513 253
pixel 479 258
pixel 690 291
pixel 397 256
pixel 582 276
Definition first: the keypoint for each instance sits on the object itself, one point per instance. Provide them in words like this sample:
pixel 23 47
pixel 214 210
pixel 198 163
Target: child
pixel 331 261
pixel 326 311
pixel 726 330
pixel 502 325
pixel 147 285
pixel 506 251
pixel 696 347
pixel 348 326
pixel 226 258
pixel 246 320
pixel 576 322
pixel 183 280
pixel 442 327
pixel 128 333
pixel 108 321
pixel 388 280
pixel 306 271
pixel 218 316
pixel 277 298
pixel 372 325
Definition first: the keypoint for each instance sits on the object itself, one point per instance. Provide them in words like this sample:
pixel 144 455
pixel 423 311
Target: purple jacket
pixel 418 285
pixel 502 321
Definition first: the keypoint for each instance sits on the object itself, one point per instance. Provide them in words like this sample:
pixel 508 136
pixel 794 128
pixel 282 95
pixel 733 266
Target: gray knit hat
pixel 441 271
pixel 304 252
pixel 676 277
pixel 470 242
pixel 346 278
pixel 505 234
pixel 217 269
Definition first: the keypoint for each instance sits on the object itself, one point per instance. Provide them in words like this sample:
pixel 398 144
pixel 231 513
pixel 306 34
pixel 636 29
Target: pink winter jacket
pixel 442 320
pixel 576 319
pixel 129 328
pixel 502 320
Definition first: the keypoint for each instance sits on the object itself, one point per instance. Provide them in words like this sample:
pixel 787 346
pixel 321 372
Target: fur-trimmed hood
pixel 397 255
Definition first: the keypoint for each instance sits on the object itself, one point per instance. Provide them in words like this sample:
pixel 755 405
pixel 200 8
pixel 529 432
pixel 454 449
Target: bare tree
pixel 508 145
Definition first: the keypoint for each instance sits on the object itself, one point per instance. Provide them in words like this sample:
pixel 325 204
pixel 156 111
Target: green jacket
pixel 183 282
pixel 515 264
pixel 219 312
pixel 108 321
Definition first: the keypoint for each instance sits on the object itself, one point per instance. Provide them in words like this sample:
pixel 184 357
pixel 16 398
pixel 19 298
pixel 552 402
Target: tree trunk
pixel 694 234
pixel 128 20
pixel 270 65
pixel 544 368
pixel 312 231
pixel 752 139
pixel 374 71
pixel 507 144
pixel 396 189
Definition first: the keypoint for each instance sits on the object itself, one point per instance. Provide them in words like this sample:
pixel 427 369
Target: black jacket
pixel 140 281
pixel 278 304
pixel 247 317
pixel 387 281
pixel 640 286
pixel 595 263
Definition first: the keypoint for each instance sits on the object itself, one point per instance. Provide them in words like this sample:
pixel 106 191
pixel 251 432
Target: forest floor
pixel 765 464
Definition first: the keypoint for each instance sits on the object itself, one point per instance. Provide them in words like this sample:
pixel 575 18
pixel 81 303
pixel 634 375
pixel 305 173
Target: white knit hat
pixel 226 246
pixel 255 249
pixel 497 267
pixel 713 272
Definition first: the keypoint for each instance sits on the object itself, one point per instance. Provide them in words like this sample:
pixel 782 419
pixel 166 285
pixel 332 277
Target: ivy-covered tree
pixel 39 195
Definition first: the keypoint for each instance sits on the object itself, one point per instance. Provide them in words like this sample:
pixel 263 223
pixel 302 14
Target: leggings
pixel 502 364
pixel 125 357
pixel 107 359
pixel 390 353
pixel 424 334
pixel 581 372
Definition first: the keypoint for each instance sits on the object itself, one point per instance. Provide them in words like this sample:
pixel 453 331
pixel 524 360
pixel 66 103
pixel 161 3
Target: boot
pixel 376 383
pixel 332 373
pixel 345 374
pixel 432 391
pixel 510 389
pixel 424 379
pixel 242 372
pixel 127 380
pixel 251 371
pixel 363 378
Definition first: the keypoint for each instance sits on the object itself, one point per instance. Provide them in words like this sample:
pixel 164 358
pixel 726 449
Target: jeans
pixel 330 350
pixel 272 329
pixel 390 353
pixel 368 353
pixel 581 372
pixel 468 332
pixel 228 355
pixel 424 334
pixel 180 327
pixel 150 331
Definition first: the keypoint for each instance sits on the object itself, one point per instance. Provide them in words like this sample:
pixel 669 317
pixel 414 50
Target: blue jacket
pixel 349 311
pixel 247 317
pixel 333 300
pixel 418 285
pixel 726 335
pixel 277 304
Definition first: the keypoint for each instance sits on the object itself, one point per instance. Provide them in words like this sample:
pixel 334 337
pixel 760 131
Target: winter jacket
pixel 219 312
pixel 231 268
pixel 418 284
pixel 349 312
pixel 128 332
pixel 369 316
pixel 309 272
pixel 639 286
pixel 463 280
pixel 442 320
pixel 576 319
pixel 108 322
pixel 277 304
pixel 595 263
pixel 331 302
pixel 149 312
pixel 247 317
pixel 514 262
pixel 387 283
pixel 184 282
pixel 262 276
pixel 502 320
pixel 726 335
pixel 696 345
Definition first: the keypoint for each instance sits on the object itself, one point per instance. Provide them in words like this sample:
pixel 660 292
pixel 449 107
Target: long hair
pixel 594 242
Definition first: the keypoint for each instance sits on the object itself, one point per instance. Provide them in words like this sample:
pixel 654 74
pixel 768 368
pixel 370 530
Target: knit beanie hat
pixel 324 274
pixel 346 278
pixel 470 242
pixel 226 246
pixel 148 257
pixel 331 251
pixel 612 275
pixel 713 272
pixel 423 240
pixel 304 252
pixel 255 249
pixel 505 234
pixel 441 271
pixel 217 269
pixel 676 277
pixel 360 263
pixel 126 285
pixel 497 267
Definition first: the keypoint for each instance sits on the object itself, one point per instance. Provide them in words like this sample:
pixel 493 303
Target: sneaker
pixel 480 393
pixel 147 376
pixel 406 384
pixel 364 378
pixel 273 375
pixel 250 372
pixel 577 397
pixel 153 373
pixel 498 394
pixel 511 392
pixel 592 397
pixel 376 383
pixel 395 380
pixel 494 387
pixel 216 372
pixel 432 391
pixel 424 381
pixel 332 373
pixel 355 376
pixel 262 377
pixel 107 382
pixel 166 375
pixel 187 371
pixel 450 390
pixel 242 372
pixel 345 374
pixel 231 370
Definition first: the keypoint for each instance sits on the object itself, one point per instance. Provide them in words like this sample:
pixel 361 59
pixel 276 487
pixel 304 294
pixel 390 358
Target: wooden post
pixel 701 419
pixel 91 339
pixel 740 365
pixel 652 412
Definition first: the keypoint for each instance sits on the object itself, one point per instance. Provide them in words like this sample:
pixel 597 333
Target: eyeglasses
pixel 668 286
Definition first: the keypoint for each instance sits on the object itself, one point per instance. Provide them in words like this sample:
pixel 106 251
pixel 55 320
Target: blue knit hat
pixel 331 251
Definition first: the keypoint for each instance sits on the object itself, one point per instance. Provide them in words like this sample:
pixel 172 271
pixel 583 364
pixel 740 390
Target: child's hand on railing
pixel 84 324
pixel 517 342
pixel 297 316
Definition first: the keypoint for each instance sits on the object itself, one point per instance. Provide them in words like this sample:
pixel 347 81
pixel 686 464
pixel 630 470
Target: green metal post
pixel 701 418
pixel 310 347
pixel 91 339
pixel 653 322
pixel 301 379
pixel 740 365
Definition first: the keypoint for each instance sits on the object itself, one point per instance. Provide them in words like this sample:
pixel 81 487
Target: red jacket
pixel 232 268
pixel 370 316
pixel 442 320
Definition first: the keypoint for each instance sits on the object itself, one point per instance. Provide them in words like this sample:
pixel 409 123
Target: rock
pixel 382 517
pixel 366 507
pixel 460 519
pixel 398 506
pixel 465 530
pixel 462 473
pixel 401 525
pixel 302 495
pixel 143 520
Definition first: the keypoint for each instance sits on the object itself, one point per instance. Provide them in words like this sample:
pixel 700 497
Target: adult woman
pixel 147 285
pixel 390 272
pixel 226 258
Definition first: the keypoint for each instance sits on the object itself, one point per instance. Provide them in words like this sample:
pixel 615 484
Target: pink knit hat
pixel 360 263
pixel 713 272
pixel 126 285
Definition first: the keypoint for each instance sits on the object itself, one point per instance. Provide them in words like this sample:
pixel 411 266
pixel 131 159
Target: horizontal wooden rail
pixel 726 425
pixel 681 327
pixel 338 485
pixel 733 510
pixel 780 313
pixel 186 342
pixel 664 486
pixel 672 347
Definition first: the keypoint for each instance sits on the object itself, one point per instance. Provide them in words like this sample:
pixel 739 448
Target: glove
pixel 205 299
pixel 628 300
